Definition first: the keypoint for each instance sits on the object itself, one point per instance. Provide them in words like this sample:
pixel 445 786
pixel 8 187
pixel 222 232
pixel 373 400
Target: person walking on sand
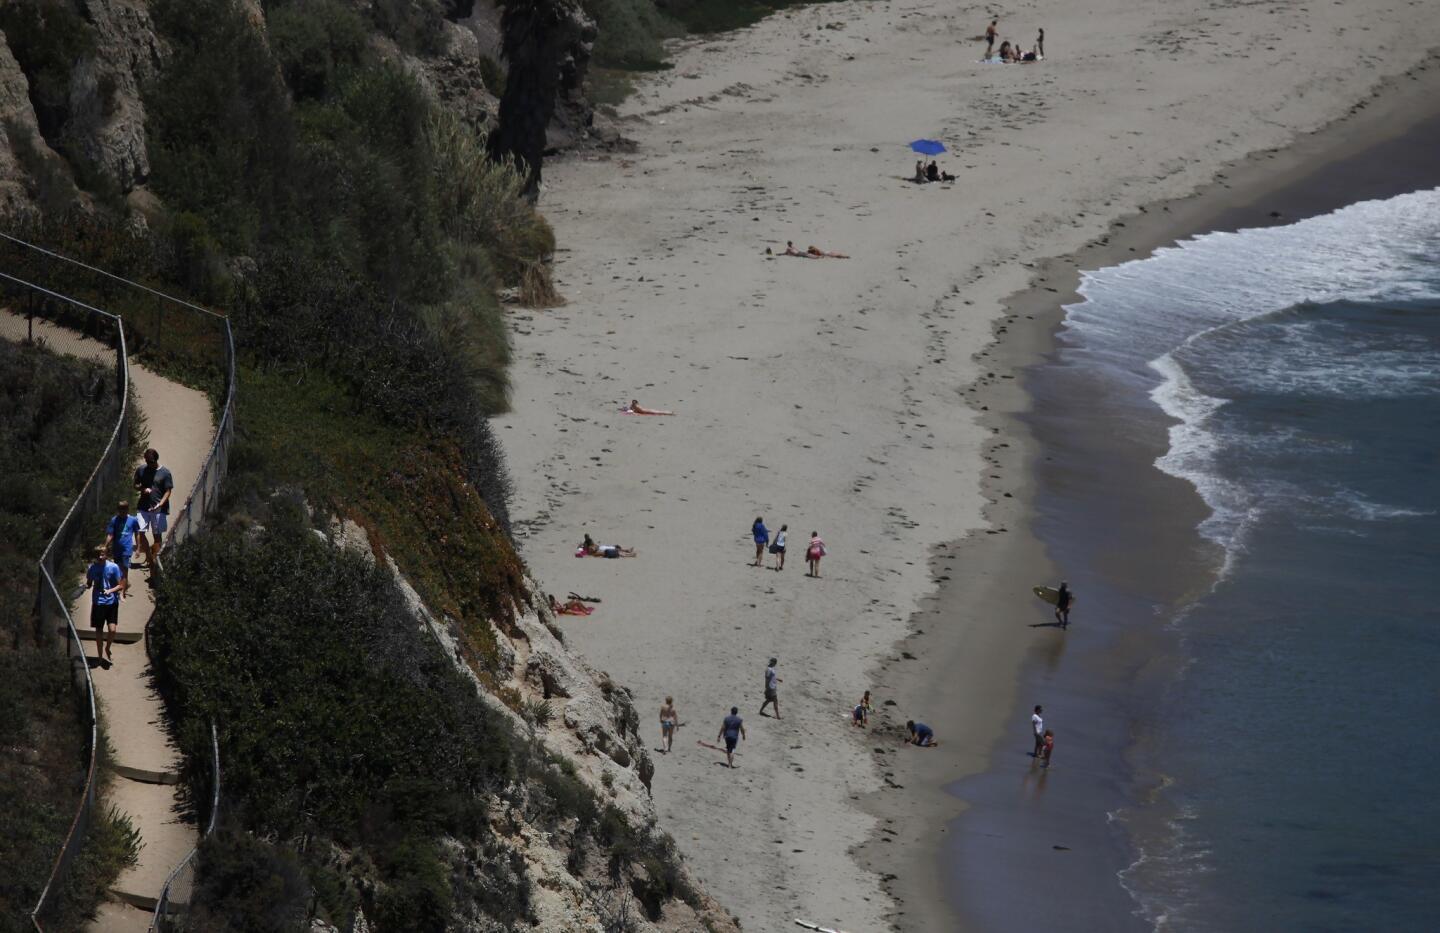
pixel 777 547
pixel 1040 44
pixel 1037 727
pixel 105 583
pixel 1049 748
pixel 814 552
pixel 732 730
pixel 761 534
pixel 1064 599
pixel 669 721
pixel 154 484
pixel 990 33
pixel 120 532
pixel 772 689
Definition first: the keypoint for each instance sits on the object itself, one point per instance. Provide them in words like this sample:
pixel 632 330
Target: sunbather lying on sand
pixel 572 608
pixel 588 548
pixel 635 408
pixel 818 253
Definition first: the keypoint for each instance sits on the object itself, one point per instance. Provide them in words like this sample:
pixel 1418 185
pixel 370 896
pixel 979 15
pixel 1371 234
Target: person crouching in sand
pixel 921 734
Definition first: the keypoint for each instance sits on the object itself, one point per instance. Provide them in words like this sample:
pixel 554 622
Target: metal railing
pixel 175 896
pixel 51 607
pixel 191 335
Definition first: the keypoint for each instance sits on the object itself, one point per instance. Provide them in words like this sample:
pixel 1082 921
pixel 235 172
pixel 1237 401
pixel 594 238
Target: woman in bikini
pixel 635 408
pixel 591 549
pixel 573 607
pixel 669 721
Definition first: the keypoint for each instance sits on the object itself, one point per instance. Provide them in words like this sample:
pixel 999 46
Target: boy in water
pixel 1049 747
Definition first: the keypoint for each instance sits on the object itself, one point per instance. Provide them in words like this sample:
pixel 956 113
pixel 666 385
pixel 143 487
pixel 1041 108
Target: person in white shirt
pixel 1037 725
pixel 772 689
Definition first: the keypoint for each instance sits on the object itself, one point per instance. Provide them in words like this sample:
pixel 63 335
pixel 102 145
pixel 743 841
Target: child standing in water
pixel 1049 747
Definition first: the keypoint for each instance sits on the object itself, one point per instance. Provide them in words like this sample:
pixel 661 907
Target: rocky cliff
pixel 73 73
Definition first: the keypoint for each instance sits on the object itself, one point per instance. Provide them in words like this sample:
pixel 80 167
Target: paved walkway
pixel 180 427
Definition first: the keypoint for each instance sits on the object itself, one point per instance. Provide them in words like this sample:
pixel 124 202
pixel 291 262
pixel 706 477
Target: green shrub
pixel 317 43
pixel 48 38
pixel 245 885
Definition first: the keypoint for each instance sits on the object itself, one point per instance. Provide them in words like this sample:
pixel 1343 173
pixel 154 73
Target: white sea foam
pixel 1140 316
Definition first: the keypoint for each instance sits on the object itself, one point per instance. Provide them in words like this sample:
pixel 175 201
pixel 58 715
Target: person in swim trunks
pixel 732 730
pixel 1064 599
pixel 772 689
pixel 669 721
pixel 105 583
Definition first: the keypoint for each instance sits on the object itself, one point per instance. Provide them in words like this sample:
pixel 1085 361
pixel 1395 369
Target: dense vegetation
pixel 350 740
pixel 56 416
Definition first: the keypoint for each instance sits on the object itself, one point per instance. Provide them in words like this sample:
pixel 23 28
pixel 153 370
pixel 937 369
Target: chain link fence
pixel 174 898
pixel 178 337
pixel 65 325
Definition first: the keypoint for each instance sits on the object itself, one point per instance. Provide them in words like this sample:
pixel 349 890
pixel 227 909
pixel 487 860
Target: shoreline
pixel 1376 150
pixel 823 393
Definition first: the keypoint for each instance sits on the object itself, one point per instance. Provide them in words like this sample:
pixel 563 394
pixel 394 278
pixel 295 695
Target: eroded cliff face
pixel 592 724
pixel 88 139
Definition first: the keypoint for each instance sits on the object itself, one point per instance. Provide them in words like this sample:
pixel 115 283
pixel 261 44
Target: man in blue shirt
pixel 120 531
pixel 732 730
pixel 921 734
pixel 105 583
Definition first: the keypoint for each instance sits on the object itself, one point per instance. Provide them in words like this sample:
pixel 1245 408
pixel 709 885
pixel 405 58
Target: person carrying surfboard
pixel 1063 599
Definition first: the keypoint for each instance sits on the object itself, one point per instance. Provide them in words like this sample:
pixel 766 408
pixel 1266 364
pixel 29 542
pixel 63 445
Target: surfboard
pixel 1050 594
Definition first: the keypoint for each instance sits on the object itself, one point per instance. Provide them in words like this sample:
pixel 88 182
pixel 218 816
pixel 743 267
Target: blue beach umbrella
pixel 929 147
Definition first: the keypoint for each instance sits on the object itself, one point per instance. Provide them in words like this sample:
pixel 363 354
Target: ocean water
pixel 1287 767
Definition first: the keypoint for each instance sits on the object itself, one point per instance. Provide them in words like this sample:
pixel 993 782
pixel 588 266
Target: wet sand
pixel 1092 496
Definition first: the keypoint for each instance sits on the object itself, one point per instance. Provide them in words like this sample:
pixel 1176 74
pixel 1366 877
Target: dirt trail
pixel 179 423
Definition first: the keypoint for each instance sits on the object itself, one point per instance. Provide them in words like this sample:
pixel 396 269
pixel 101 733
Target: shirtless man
pixel 990 33
pixel 669 721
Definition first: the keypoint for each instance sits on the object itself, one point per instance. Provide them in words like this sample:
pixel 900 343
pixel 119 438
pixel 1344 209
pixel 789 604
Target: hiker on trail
pixel 1064 599
pixel 732 730
pixel 814 552
pixel 1049 747
pixel 772 689
pixel 761 534
pixel 1037 726
pixel 860 715
pixel 921 734
pixel 990 33
pixel 669 721
pixel 155 484
pixel 120 532
pixel 777 547
pixel 105 583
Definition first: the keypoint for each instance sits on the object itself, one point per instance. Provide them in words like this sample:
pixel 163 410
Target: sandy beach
pixel 831 394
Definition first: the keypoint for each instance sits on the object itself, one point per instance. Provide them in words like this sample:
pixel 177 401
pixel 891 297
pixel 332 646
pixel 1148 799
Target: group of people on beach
pixel 814 551
pixel 1011 52
pixel 108 576
pixel 928 173
pixel 732 725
